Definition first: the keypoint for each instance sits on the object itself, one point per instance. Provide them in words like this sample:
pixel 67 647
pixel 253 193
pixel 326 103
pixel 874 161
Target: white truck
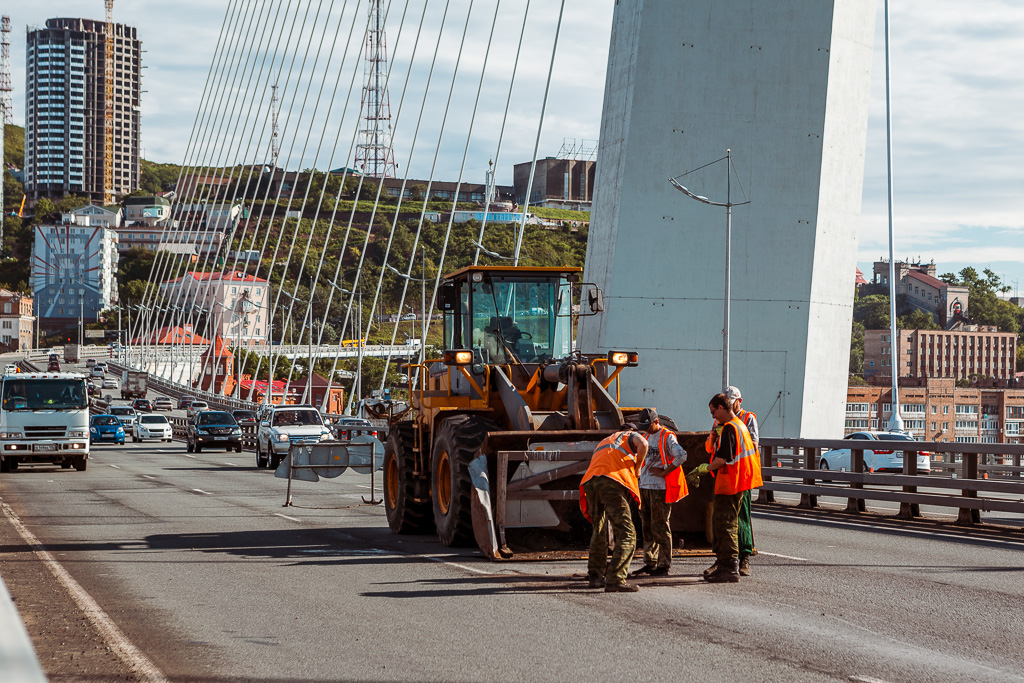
pixel 44 418
pixel 71 353
pixel 134 384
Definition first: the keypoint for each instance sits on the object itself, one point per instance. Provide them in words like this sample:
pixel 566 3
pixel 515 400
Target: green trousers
pixel 725 521
pixel 608 504
pixel 745 532
pixel 654 515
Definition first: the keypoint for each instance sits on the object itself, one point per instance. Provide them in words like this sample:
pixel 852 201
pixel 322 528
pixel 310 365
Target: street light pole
pixel 728 204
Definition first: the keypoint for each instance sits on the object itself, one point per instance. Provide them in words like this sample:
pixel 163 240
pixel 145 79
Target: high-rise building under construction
pixel 65 108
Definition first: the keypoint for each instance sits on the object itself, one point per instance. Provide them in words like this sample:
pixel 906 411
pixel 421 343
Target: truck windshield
pixel 44 394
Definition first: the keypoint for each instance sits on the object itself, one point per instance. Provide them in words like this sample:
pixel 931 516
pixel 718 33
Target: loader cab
pixel 509 315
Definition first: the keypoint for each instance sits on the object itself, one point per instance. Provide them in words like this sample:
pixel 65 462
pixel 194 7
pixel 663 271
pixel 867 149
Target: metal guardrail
pixel 965 470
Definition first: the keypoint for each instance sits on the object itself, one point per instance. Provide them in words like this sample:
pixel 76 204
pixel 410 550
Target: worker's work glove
pixel 693 477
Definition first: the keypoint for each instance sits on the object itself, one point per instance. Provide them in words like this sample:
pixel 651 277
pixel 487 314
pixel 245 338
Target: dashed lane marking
pixel 132 656
pixel 190 456
pixel 205 493
pixel 441 560
pixel 294 519
pixel 116 467
pixel 231 464
pixel 785 557
pixel 146 476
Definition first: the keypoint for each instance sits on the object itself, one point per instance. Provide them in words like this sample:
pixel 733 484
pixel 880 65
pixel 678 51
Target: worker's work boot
pixel 595 581
pixel 727 572
pixel 711 570
pixel 745 565
pixel 659 571
pixel 624 587
pixel 646 569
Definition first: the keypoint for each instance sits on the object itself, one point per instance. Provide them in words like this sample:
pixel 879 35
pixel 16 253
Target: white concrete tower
pixel 783 84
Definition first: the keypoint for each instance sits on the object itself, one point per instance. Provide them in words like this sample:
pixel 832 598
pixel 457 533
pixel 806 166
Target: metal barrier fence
pixel 970 472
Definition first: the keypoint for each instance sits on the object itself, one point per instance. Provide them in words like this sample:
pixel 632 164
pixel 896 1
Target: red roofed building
pixel 234 303
pixel 172 335
pixel 217 365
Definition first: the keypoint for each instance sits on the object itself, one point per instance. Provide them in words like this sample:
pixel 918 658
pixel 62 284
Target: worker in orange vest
pixel 610 481
pixel 736 469
pixel 661 484
pixel 745 532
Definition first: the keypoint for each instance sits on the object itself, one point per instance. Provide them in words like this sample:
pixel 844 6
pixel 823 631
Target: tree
pixel 70 203
pixel 872 312
pixel 917 320
pixel 984 305
pixel 857 350
pixel 43 209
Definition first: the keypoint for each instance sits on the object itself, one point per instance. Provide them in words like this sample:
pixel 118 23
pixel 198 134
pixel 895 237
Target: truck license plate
pixel 45 447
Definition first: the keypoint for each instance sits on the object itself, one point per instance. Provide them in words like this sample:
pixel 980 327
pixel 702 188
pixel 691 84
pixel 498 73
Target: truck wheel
pixel 406 514
pixel 455 444
pixel 261 460
pixel 81 463
pixel 14 464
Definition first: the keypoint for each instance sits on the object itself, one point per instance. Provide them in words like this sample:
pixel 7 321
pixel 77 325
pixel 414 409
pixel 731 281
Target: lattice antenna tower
pixel 275 142
pixel 5 106
pixel 108 106
pixel 373 154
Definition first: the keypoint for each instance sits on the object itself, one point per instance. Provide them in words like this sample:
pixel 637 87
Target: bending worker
pixel 604 500
pixel 661 484
pixel 737 470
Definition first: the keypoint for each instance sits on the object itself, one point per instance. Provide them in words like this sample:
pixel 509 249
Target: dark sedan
pixel 106 428
pixel 245 418
pixel 213 428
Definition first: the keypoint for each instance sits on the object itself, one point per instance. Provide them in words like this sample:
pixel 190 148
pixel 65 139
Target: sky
pixel 957 94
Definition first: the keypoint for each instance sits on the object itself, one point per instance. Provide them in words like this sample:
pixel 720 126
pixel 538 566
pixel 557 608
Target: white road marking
pixel 205 493
pixel 146 476
pixel 866 679
pixel 115 639
pixel 363 486
pixel 441 560
pixel 116 467
pixel 785 557
pixel 231 464
pixel 190 456
pixel 294 519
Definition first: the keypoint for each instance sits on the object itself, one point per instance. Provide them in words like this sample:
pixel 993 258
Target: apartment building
pixel 65 103
pixel 17 323
pixel 235 304
pixel 73 274
pixel 973 351
pixel 938 410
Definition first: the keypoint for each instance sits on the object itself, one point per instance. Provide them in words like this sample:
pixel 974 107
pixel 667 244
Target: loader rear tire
pixel 406 514
pixel 455 444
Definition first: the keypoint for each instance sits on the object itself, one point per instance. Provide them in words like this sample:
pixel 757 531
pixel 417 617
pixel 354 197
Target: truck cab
pixel 44 419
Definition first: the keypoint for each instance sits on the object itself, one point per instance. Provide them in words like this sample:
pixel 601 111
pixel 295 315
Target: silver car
pixel 875 460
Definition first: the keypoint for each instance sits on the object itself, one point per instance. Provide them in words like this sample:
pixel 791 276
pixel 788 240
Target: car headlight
pixel 326 436
pixel 94 430
pixel 77 434
pixel 120 430
pixel 236 431
pixel 201 431
pixel 280 437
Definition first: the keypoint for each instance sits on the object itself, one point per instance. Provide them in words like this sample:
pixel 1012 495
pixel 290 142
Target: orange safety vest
pixel 745 473
pixel 675 481
pixel 614 458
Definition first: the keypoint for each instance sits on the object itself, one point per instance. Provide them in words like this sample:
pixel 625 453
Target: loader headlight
pixel 623 358
pixel 458 357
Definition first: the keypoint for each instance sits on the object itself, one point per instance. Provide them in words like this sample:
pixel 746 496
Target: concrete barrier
pixel 18 660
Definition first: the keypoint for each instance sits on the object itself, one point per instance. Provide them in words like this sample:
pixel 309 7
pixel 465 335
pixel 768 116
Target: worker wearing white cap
pixel 746 530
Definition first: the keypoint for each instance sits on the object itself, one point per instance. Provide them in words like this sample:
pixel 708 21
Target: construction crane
pixel 108 108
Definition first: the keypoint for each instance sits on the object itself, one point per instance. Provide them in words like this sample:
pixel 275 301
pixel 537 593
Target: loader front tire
pixel 455 444
pixel 406 514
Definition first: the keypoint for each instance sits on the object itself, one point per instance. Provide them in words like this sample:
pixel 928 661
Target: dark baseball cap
pixel 629 427
pixel 648 416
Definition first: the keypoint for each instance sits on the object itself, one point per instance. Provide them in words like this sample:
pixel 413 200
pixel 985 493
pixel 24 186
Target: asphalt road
pixel 202 568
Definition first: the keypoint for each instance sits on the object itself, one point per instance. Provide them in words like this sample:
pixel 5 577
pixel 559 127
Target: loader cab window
pixel 524 318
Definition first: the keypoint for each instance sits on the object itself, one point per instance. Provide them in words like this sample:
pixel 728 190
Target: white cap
pixel 732 393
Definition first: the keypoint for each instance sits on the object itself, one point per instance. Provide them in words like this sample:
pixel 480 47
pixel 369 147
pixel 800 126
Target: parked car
pixel 142 405
pixel 126 414
pixel 244 418
pixel 185 401
pixel 152 427
pixel 163 403
pixel 350 427
pixel 91 363
pixel 881 460
pixel 213 428
pixel 53 366
pixel 109 383
pixel 282 426
pixel 196 407
pixel 106 428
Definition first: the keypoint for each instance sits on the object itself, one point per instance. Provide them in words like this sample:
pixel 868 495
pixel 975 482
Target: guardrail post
pixel 909 510
pixel 856 465
pixel 808 500
pixel 767 456
pixel 969 464
pixel 1016 465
